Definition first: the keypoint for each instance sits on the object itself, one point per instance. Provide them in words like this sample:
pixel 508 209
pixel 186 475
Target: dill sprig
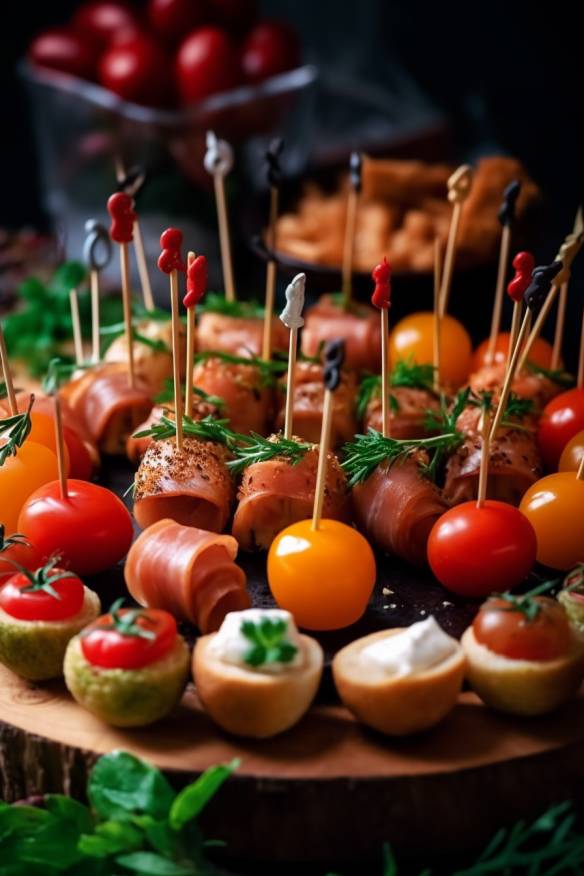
pixel 16 430
pixel 214 302
pixel 249 449
pixel 558 376
pixel 207 429
pixel 167 395
pixel 366 452
pixel 269 371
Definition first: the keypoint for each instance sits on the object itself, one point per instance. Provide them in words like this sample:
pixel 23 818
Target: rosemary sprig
pixel 525 603
pixel 559 376
pixel 207 429
pixel 253 448
pixel 61 371
pixel 444 420
pixel 167 395
pixel 369 388
pixel 127 623
pixel 406 373
pixel 7 542
pixel 366 452
pixel 16 430
pixel 44 577
pixel 516 407
pixel 217 303
pixel 269 371
pixel 268 642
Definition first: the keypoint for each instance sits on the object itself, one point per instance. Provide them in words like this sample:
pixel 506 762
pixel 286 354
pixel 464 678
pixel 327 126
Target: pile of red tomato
pixel 177 52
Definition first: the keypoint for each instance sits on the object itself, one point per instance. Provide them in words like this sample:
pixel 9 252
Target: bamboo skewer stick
pixel 127 302
pixel 523 264
pixel 7 375
pixel 176 358
pixel 334 356
pixel 60 446
pixel 511 371
pixel 355 168
pixel 131 183
pixel 76 322
pixel 381 299
pixel 537 327
pixel 274 175
pixel 436 326
pixel 191 314
pixel 95 316
pixel 97 253
pixel 290 384
pixel 559 329
pixel 459 186
pixel 485 457
pixel 219 162
pixel 292 318
pixel 506 218
pixel 580 472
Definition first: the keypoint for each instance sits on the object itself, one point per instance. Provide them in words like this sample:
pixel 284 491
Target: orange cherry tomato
pixel 43 432
pixel 324 577
pixel 33 466
pixel 541 352
pixel 414 336
pixel 510 633
pixel 562 418
pixel 554 506
pixel 572 453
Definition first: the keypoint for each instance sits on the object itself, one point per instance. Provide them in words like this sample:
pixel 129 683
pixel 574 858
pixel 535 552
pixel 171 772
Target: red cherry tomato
pixel 38 605
pixel 540 353
pixel 554 506
pixel 64 50
pixel 138 71
pixel 80 461
pixel 206 63
pixel 99 22
pixel 508 632
pixel 474 551
pixel 91 529
pixel 172 19
pixel 270 48
pixel 562 418
pixel 105 645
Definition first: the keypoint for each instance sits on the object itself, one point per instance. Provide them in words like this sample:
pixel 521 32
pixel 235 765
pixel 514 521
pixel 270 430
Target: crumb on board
pixel 387 592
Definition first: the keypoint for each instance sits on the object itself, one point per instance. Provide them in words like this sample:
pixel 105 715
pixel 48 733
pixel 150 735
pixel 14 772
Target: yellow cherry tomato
pixel 413 337
pixel 324 577
pixel 33 466
pixel 572 453
pixel 43 432
pixel 554 506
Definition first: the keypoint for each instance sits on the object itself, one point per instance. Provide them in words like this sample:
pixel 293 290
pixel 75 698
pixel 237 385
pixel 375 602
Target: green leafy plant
pixel 217 303
pixel 15 429
pixel 135 823
pixel 207 429
pixel 406 373
pixel 269 643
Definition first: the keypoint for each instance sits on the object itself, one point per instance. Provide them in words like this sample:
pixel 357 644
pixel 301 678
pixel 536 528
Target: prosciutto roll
pixel 527 384
pixel 275 493
pixel 193 486
pixel 309 401
pixel 238 335
pixel 247 400
pixel 514 462
pixel 359 327
pixel 137 447
pixel 396 507
pixel 187 571
pixel 409 418
pixel 152 365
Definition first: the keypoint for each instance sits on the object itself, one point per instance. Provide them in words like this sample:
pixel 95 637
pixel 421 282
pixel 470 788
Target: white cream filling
pixel 230 645
pixel 416 649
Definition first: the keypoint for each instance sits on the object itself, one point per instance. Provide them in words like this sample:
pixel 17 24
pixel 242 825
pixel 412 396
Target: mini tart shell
pixel 249 702
pixel 128 697
pixel 396 705
pixel 522 687
pixel 36 649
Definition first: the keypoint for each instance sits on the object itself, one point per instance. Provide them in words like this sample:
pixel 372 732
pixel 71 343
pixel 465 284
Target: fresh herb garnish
pixel 217 303
pixel 369 388
pixel 207 429
pixel 127 623
pixel 366 452
pixel 16 430
pixel 167 395
pixel 269 643
pixel 444 420
pixel 517 407
pixel 249 449
pixel 406 373
pixel 525 603
pixel 269 371
pixel 116 330
pixel 59 372
pixel 44 577
pixel 11 540
pixel 558 376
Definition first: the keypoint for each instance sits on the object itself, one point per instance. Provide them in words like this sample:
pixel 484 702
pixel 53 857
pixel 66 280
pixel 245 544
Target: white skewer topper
pixel 292 318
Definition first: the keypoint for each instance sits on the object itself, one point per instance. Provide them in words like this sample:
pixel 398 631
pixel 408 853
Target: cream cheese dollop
pixel 419 647
pixel 231 646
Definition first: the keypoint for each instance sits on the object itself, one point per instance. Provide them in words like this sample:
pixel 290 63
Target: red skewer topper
pixel 381 274
pixel 170 259
pixel 196 281
pixel 121 209
pixel 523 264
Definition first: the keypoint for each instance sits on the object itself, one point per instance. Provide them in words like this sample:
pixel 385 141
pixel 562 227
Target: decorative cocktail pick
pixel 334 356
pixel 121 209
pixel 274 174
pixel 97 253
pixel 563 300
pixel 459 186
pixel 516 289
pixel 131 182
pixel 196 288
pixel 219 162
pixel 76 323
pixel 566 255
pixel 381 299
pixel 485 430
pixel 534 297
pixel 170 262
pixel 507 219
pixel 436 328
pixel 292 318
pixel 7 375
pixel 355 168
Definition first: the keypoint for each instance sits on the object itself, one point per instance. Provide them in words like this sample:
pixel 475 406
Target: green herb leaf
pixel 559 376
pixel 111 838
pixel 121 784
pixel 16 430
pixel 152 864
pixel 207 429
pixel 255 448
pixel 191 801
pixel 268 638
pixel 216 303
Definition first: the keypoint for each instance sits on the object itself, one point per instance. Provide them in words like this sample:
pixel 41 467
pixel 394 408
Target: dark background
pixel 509 76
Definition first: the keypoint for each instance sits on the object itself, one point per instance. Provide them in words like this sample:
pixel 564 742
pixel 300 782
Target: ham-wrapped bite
pixel 407 413
pixel 245 389
pixel 137 447
pixel 514 462
pixel 532 385
pixel 192 486
pixel 359 327
pixel 275 493
pixel 187 571
pixel 397 506
pixel 309 401
pixel 241 336
pixel 152 352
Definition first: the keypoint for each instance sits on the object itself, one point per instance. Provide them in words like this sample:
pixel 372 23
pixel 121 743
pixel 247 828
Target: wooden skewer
pixel 459 185
pixel 485 457
pixel 176 358
pixel 224 236
pixel 580 472
pixel 127 302
pixel 515 324
pixel 77 339
pixel 290 381
pixel 97 251
pixel 498 304
pixel 349 247
pixel 291 316
pixel 325 436
pixel 147 296
pixel 191 313
pixel 270 278
pixel 385 371
pixel 511 371
pixel 95 318
pixel 537 327
pixel 7 374
pixel 580 374
pixel 559 330
pixel 436 327
pixel 60 446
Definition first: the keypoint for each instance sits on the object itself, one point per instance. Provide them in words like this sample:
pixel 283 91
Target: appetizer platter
pixel 314 540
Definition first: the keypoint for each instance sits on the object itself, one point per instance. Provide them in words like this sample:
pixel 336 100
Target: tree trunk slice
pixel 328 784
